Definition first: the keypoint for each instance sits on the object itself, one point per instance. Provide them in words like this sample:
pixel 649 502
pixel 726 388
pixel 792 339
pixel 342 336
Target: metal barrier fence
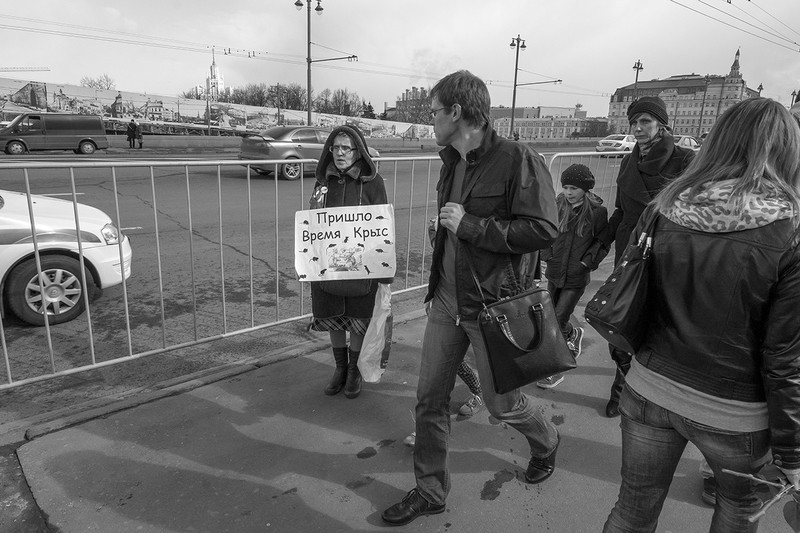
pixel 212 249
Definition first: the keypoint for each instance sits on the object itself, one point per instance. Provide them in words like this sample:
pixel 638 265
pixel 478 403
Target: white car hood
pixel 54 219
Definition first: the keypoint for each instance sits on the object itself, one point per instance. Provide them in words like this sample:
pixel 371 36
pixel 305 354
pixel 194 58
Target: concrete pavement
pixel 266 450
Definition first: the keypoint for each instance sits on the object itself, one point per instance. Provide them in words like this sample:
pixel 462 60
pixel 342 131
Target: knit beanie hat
pixel 578 175
pixel 652 105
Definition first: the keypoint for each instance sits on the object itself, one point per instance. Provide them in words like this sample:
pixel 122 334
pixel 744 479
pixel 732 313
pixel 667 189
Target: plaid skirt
pixel 341 323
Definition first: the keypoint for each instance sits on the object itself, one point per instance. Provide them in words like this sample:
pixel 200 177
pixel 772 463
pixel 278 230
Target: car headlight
pixel 110 234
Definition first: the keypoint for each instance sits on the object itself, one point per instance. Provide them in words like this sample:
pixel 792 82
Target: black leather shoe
pixel 412 506
pixel 541 469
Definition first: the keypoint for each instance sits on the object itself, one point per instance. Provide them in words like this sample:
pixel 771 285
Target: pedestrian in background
pixel 131 133
pixel 653 162
pixel 576 252
pixel 496 208
pixel 346 176
pixel 720 363
pixel 139 135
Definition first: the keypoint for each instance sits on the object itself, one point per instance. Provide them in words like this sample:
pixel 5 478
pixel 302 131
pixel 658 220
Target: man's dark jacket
pixel 510 214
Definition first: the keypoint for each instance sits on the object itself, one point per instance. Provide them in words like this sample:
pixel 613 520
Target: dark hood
pixel 365 165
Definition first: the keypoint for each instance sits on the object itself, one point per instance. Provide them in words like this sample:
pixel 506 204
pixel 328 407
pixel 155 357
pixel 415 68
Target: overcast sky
pixel 164 47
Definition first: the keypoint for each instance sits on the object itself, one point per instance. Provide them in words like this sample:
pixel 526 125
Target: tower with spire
pixel 214 83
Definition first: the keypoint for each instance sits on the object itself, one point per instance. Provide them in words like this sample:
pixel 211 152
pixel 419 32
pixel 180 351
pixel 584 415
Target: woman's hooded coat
pixel 358 185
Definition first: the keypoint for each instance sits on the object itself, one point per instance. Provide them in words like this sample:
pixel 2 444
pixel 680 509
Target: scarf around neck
pixel 714 210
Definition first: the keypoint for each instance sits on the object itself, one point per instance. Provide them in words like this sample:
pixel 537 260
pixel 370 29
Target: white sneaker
pixel 471 406
pixel 575 342
pixel 550 382
pixel 411 439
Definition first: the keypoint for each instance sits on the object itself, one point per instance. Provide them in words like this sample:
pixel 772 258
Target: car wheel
pixel 87 147
pixel 63 290
pixel 15 148
pixel 291 171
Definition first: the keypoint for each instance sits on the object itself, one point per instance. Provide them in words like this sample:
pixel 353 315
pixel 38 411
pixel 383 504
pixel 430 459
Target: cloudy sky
pixel 164 47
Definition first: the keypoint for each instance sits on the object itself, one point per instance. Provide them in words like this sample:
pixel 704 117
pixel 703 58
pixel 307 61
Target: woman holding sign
pixel 346 176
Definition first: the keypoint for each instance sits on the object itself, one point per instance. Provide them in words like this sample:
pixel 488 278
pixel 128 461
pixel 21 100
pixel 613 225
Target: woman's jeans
pixel 564 301
pixel 443 349
pixel 653 440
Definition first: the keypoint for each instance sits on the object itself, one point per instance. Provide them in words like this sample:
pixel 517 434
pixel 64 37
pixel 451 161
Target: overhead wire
pixel 734 27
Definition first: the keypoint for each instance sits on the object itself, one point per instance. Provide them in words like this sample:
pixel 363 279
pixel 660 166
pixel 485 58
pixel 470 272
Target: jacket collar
pixel 450 155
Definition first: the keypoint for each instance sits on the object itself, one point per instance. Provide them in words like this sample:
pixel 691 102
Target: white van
pixel 83 134
pixel 62 291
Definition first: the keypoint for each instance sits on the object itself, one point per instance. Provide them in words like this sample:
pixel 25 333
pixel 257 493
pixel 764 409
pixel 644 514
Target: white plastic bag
pixel 378 338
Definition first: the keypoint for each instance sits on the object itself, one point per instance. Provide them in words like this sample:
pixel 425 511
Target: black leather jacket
pixel 510 214
pixel 725 319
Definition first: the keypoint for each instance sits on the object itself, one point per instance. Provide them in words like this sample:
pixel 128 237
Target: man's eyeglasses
pixel 434 111
pixel 346 150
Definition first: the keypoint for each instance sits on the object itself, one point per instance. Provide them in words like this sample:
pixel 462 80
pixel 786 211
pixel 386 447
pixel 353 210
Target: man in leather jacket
pixel 496 211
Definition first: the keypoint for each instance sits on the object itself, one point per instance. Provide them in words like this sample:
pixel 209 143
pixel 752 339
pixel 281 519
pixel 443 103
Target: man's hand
pixel 451 215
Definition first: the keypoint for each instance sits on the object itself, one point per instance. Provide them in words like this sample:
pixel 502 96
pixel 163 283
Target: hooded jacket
pixel 510 214
pixel 572 257
pixel 358 185
pixel 726 289
pixel 638 183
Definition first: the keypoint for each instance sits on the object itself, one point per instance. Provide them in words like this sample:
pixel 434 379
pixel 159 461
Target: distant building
pixel 548 122
pixel 693 102
pixel 413 106
pixel 214 83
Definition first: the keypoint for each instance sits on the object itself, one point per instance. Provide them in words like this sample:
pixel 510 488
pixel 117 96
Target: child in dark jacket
pixel 575 253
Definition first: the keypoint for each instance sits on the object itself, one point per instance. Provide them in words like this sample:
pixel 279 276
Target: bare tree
pixel 343 102
pixel 322 103
pixel 103 82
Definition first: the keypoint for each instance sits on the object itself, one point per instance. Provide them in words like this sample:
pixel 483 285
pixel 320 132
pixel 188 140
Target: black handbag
pixel 347 287
pixel 619 310
pixel 523 340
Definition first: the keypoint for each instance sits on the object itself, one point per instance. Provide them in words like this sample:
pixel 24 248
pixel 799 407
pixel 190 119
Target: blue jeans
pixel 653 440
pixel 443 348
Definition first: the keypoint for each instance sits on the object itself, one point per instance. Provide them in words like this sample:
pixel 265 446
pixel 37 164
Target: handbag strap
pixel 645 240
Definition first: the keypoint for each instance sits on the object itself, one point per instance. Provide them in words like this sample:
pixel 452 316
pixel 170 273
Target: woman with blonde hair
pixel 720 363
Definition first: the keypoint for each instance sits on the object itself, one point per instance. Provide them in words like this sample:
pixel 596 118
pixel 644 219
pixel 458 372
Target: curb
pixel 72 416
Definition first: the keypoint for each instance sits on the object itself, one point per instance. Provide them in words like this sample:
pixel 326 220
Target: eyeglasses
pixel 346 150
pixel 434 111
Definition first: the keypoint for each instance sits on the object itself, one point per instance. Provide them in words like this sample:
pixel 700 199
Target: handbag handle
pixel 538 315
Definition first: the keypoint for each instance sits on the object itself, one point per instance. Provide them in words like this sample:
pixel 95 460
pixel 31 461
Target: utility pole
pixel 703 105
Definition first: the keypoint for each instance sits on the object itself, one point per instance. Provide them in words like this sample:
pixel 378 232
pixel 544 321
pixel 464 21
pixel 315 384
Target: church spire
pixel 735 66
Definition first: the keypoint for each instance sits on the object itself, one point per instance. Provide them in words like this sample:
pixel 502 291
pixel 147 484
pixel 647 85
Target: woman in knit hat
pixel 577 250
pixel 654 162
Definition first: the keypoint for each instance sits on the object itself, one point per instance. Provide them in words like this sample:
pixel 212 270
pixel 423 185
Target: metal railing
pixel 212 253
pixel 231 252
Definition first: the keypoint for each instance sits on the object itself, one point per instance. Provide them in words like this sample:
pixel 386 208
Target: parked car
pixel 28 132
pixel 56 236
pixel 687 141
pixel 616 143
pixel 287 142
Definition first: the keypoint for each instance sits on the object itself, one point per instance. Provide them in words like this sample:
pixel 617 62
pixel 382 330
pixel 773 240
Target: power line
pixel 770 15
pixel 732 26
pixel 748 23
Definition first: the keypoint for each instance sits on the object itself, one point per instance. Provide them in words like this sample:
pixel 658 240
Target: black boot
pixel 612 407
pixel 339 373
pixel 353 386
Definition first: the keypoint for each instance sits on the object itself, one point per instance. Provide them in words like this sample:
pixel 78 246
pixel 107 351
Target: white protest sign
pixel 345 243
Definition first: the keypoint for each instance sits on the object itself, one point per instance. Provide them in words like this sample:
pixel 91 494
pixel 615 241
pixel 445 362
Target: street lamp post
pixel 517 43
pixel 319 9
pixel 637 67
pixel 703 105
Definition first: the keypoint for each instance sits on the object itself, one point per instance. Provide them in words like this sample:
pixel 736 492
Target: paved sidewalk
pixel 266 450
